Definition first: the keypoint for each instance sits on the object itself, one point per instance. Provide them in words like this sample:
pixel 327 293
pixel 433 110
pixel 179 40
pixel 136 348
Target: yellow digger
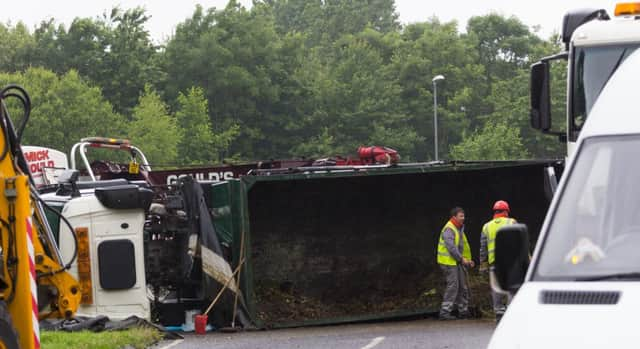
pixel 34 282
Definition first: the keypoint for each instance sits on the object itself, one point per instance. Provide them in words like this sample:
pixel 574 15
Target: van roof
pixel 617 110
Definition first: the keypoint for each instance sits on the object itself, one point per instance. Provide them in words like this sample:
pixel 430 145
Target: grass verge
pixel 138 338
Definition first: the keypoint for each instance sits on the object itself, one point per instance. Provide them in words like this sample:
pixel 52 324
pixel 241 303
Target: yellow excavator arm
pixel 29 258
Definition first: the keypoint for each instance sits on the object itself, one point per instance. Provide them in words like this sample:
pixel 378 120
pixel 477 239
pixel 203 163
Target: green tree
pixel 503 44
pixel 327 21
pixel 426 50
pixel 288 78
pixel 193 120
pixel 15 45
pixel 199 144
pixel 320 146
pixel 65 109
pixel 510 103
pixel 82 47
pixel 131 60
pixel 154 130
pixel 496 141
pixel 113 51
pixel 245 69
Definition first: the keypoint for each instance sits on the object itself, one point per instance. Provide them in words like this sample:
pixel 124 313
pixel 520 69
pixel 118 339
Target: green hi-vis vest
pixel 444 257
pixel 490 230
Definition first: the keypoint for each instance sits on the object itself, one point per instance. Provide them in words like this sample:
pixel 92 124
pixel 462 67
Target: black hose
pixel 75 239
pixel 13 137
pixel 5 115
pixel 23 97
pixel 11 256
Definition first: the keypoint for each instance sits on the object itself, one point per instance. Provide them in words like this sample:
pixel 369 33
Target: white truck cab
pixel 581 288
pixel 595 47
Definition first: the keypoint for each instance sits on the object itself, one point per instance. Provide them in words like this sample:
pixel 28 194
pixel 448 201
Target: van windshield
pixel 595 229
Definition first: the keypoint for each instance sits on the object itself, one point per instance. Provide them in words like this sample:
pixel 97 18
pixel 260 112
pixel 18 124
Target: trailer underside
pixel 358 247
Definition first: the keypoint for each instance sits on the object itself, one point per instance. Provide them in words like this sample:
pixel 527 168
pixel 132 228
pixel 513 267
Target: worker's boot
pixel 447 316
pixel 464 315
pixel 499 312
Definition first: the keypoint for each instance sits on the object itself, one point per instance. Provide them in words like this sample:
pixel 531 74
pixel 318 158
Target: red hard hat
pixel 501 206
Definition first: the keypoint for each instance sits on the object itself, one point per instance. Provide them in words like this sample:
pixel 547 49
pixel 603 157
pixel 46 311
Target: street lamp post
pixel 435 113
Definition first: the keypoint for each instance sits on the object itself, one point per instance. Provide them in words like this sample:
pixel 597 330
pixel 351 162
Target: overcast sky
pixel 166 14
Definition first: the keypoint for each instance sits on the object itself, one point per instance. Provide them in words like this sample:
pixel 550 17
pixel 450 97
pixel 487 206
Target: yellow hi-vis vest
pixel 490 230
pixel 444 257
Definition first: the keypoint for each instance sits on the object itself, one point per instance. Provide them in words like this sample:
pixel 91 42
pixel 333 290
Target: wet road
pixel 413 334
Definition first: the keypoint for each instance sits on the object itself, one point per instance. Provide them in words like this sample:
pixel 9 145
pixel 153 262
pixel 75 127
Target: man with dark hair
pixel 454 254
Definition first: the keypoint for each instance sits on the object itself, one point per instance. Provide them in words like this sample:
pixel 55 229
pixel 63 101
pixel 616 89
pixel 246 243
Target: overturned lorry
pixel 330 245
pixel 313 244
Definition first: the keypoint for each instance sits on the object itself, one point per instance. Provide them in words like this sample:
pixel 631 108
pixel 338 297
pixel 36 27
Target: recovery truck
pixel 581 288
pixel 34 281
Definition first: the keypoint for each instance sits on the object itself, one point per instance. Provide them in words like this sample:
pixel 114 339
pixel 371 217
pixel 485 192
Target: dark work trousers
pixel 500 301
pixel 456 294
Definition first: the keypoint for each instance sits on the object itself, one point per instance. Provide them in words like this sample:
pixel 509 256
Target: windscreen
pixel 592 69
pixel 595 230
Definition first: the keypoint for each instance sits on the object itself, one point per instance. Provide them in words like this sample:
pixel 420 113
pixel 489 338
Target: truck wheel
pixel 8 335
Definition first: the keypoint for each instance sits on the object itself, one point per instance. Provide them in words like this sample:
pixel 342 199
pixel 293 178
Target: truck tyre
pixel 8 335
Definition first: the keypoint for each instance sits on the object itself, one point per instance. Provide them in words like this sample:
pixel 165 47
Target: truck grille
pixel 580 297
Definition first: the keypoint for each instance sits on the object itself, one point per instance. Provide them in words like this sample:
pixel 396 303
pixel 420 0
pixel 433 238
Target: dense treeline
pixel 285 78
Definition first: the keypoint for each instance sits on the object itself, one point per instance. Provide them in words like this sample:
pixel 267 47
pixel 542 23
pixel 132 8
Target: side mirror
pixel 511 258
pixel 540 96
pixel 68 177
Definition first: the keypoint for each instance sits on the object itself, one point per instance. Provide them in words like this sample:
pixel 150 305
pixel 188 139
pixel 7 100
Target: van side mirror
pixel 540 96
pixel 511 257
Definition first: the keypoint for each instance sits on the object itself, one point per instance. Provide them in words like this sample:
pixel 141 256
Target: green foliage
pixel 14 47
pixel 114 51
pixel 503 44
pixel 327 21
pixel 494 142
pixel 154 130
pixel 429 49
pixel 193 119
pixel 65 109
pixel 322 145
pixel 128 64
pixel 199 144
pixel 285 78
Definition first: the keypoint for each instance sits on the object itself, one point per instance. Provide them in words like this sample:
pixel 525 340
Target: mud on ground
pixel 282 303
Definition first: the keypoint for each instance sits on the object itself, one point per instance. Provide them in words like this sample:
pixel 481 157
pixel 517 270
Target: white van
pixel 582 286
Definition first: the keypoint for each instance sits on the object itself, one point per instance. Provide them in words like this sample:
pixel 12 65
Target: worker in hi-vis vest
pixel 501 218
pixel 454 254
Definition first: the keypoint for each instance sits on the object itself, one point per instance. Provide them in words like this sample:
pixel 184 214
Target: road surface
pixel 413 334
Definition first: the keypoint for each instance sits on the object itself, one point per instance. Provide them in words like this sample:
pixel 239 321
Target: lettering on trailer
pixel 201 176
pixel 219 173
